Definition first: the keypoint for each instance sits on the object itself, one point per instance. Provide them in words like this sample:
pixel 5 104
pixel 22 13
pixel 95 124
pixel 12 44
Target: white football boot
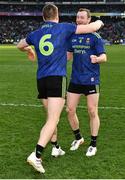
pixel 91 151
pixel 76 143
pixel 35 162
pixel 57 152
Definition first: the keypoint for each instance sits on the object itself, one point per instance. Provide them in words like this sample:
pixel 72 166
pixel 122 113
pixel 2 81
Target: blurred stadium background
pixel 21 115
pixel 18 17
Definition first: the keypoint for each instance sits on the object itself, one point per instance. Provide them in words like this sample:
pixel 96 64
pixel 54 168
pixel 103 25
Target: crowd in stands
pixel 38 1
pixel 66 8
pixel 55 0
pixel 114 31
pixel 13 29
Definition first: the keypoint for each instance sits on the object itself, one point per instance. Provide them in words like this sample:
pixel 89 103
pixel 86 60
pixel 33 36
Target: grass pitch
pixel 21 118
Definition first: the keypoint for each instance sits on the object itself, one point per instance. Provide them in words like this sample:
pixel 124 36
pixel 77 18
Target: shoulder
pixel 34 32
pixel 96 35
pixel 67 24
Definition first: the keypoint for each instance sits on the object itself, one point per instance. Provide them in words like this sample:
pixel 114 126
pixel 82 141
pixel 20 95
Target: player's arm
pixel 23 46
pixel 69 55
pixel 89 28
pixel 98 59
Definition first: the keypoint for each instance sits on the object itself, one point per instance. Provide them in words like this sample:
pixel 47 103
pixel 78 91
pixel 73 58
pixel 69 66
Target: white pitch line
pixel 38 105
pixel 105 107
pixel 16 105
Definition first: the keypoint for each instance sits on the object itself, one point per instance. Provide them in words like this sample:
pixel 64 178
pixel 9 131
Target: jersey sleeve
pixel 99 45
pixel 70 29
pixel 29 38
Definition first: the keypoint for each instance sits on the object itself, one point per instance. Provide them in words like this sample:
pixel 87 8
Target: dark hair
pixel 49 12
pixel 86 10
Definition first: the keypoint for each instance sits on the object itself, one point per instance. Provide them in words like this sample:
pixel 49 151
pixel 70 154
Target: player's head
pixel 50 13
pixel 83 16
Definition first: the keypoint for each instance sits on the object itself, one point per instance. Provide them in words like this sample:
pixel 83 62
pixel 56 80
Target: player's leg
pixel 42 89
pixel 54 136
pixel 92 104
pixel 72 102
pixel 56 149
pixel 32 159
pixel 55 106
pixel 55 93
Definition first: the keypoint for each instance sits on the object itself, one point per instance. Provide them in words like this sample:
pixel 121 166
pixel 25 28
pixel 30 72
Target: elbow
pixel 105 58
pixel 19 46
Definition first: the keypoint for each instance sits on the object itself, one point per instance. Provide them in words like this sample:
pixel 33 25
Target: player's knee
pixel 92 112
pixel 71 111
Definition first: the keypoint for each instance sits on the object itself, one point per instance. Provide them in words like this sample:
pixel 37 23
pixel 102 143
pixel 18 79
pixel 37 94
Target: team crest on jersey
pixel 81 39
pixel 88 40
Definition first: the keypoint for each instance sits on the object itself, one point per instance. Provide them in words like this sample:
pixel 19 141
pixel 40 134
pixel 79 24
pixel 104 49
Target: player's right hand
pixel 31 55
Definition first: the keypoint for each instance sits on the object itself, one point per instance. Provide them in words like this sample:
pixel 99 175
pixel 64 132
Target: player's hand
pixel 102 24
pixel 31 55
pixel 94 59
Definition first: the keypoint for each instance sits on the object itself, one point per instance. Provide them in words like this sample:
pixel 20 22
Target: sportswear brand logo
pixel 91 91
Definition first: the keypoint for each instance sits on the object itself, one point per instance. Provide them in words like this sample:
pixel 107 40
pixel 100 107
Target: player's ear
pixel 89 20
pixel 58 18
pixel 43 18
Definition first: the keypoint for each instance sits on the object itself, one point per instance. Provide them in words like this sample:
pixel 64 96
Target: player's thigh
pixel 72 100
pixel 92 101
pixel 55 106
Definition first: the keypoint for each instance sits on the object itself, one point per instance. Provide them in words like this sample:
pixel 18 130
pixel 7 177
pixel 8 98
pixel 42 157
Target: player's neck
pixel 55 20
pixel 52 20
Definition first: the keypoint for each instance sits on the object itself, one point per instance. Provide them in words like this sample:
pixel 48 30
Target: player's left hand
pixel 94 59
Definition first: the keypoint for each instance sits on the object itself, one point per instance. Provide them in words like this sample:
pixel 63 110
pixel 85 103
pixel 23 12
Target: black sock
pixel 39 150
pixel 93 141
pixel 77 134
pixel 55 144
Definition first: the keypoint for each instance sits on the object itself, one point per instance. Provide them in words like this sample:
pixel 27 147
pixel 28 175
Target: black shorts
pixel 51 86
pixel 83 89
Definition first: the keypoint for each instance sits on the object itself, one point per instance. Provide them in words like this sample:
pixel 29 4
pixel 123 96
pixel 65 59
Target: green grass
pixel 20 125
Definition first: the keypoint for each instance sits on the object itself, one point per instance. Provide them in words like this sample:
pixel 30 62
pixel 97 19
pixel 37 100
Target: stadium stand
pixel 19 17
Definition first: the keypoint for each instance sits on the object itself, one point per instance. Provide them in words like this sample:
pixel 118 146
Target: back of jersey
pixel 51 46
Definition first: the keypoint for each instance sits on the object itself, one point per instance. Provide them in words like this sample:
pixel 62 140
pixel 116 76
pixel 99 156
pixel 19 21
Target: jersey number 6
pixel 48 44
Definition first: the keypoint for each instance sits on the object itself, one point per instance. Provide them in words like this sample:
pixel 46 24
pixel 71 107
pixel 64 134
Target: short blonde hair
pixel 50 12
